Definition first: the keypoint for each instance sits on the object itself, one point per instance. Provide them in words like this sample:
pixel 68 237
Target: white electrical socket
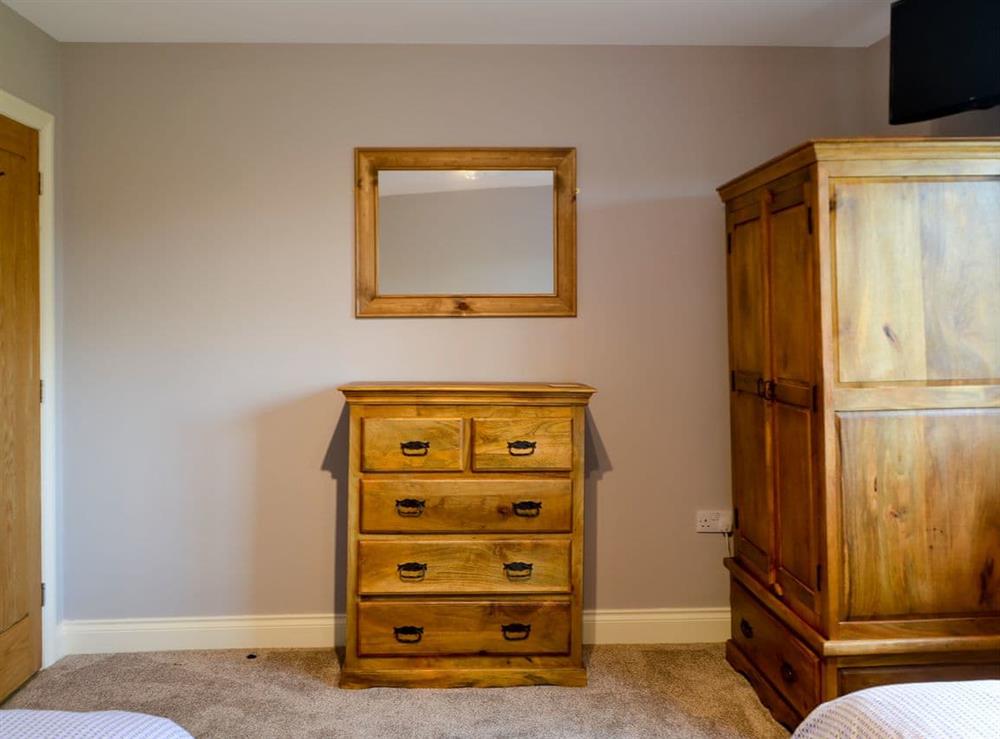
pixel 713 522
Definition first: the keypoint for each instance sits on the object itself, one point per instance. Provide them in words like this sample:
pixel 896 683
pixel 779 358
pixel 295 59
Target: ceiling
pixel 629 22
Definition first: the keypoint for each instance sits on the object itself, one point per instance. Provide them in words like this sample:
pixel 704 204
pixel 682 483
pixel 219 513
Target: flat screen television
pixel 944 58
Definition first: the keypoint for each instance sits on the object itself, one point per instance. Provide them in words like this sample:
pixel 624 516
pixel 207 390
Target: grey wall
pixel 29 61
pixel 206 198
pixel 208 207
pixel 482 241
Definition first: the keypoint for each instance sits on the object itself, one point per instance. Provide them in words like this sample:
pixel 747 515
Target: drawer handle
pixel 515 632
pixel 746 629
pixel 527 508
pixel 521 448
pixel 788 673
pixel 411 570
pixel 517 570
pixel 409 507
pixel 415 448
pixel 408 634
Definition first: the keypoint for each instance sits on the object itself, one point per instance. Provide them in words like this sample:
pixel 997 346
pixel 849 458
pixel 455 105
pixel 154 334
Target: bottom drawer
pixel 787 663
pixel 412 627
pixel 858 678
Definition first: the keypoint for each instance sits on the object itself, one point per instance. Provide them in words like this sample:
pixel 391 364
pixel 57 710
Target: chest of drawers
pixel 465 534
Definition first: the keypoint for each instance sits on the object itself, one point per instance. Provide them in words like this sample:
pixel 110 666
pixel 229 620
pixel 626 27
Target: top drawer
pixel 411 444
pixel 522 444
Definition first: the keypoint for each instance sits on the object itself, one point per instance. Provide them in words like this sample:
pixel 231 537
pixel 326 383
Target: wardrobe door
pixel 792 392
pixel 748 351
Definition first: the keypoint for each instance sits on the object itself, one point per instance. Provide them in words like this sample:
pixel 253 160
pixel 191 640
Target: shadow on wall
pixel 287 562
pixel 597 463
pixel 337 463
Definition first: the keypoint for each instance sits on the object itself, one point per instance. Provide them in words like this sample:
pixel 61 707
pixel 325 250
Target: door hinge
pixel 736 518
pixel 43 595
pixel 732 379
pixel 41 391
pixel 39 183
pixel 815 398
pixel 729 243
pixel 809 219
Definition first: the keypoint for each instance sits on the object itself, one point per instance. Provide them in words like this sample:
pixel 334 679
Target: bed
pixel 29 724
pixel 952 710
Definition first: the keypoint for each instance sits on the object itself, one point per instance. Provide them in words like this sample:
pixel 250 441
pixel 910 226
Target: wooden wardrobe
pixel 864 339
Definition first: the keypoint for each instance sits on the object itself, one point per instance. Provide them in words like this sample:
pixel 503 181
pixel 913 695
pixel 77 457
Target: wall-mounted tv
pixel 944 58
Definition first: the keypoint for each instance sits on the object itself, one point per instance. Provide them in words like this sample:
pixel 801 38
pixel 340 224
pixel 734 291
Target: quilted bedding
pixel 29 724
pixel 946 710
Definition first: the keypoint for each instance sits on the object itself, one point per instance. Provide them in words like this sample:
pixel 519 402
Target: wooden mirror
pixel 465 232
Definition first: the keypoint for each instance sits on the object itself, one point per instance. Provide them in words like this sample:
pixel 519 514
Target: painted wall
pixel 29 61
pixel 208 293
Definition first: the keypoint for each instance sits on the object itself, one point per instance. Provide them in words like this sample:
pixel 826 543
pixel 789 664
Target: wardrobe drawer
pixel 446 506
pixel 779 655
pixel 474 566
pixel 411 444
pixel 413 627
pixel 522 444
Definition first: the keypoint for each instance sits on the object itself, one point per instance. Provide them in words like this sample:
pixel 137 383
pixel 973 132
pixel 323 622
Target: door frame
pixel 44 122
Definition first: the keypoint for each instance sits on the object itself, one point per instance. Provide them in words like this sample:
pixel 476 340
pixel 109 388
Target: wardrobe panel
pixel 921 513
pixel 918 279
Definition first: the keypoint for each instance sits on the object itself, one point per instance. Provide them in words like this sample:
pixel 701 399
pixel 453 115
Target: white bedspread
pixel 21 723
pixel 951 710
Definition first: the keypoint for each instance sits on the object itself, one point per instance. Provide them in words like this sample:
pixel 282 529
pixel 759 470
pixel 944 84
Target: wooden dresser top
pixel 544 393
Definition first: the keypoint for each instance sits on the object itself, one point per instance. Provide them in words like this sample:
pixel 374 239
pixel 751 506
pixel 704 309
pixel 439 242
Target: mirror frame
pixel 368 162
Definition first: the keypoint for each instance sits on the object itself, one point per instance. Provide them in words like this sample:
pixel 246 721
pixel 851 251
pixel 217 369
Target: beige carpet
pixel 635 691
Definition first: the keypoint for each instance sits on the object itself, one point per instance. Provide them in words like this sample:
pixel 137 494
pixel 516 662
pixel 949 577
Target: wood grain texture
pixel 471 566
pixel 546 444
pixel 753 492
pixel 20 523
pixel 937 319
pixel 467 560
pixel 910 152
pixel 781 658
pixel 521 394
pixel 860 678
pixel 386 441
pixel 879 298
pixel 771 698
pixel 369 302
pixel 921 503
pixel 458 628
pixel 457 506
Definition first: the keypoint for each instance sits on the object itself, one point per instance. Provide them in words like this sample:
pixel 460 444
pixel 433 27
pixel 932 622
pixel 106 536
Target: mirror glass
pixel 465 232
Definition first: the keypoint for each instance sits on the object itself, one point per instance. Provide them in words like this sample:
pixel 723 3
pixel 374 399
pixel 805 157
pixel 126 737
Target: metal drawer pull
pixel 517 570
pixel 409 507
pixel 521 448
pixel 411 570
pixel 515 632
pixel 527 508
pixel 788 673
pixel 415 448
pixel 408 634
pixel 746 629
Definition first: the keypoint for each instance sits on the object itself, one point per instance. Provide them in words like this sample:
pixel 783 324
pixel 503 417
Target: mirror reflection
pixel 465 232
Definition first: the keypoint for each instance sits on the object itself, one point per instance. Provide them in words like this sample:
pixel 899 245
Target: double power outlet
pixel 714 522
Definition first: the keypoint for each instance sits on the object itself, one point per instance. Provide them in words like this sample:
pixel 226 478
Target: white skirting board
pixel 643 626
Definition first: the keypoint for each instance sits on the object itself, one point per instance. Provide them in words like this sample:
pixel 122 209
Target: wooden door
pixel 20 533
pixel 791 390
pixel 748 356
pixel 917 263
